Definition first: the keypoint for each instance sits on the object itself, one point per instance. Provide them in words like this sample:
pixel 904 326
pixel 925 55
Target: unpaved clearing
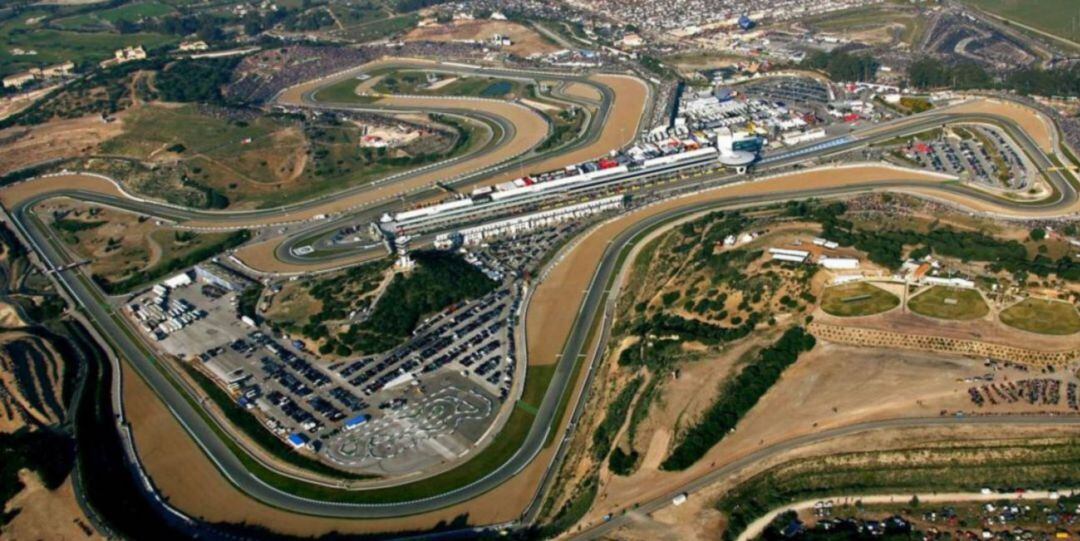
pixel 697 519
pixel 830 387
pixel 22 147
pixel 524 40
pixel 46 515
pixel 583 91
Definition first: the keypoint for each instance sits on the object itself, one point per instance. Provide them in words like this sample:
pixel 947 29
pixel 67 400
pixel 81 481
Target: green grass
pixel 871 17
pixel 537 378
pixel 1058 17
pixel 1042 316
pixel 968 304
pixel 55 46
pixel 342 92
pixel 134 12
pixel 857 299
pixel 151 127
pixel 381 28
pixel 415 82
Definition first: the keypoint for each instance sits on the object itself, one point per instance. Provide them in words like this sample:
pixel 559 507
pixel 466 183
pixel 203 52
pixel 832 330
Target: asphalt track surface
pixel 128 345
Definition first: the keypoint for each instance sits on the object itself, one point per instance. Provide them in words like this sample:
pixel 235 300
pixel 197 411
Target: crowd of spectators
pixel 259 77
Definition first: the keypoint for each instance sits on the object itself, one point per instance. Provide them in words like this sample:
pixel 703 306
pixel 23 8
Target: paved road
pixel 81 289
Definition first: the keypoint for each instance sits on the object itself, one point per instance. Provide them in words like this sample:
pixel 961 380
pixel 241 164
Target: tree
pixel 1038 235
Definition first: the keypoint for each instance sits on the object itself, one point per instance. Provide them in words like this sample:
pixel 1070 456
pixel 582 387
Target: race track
pixel 585 276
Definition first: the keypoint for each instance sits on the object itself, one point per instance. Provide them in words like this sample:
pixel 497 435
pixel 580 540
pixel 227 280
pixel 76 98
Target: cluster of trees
pixel 842 66
pixel 738 395
pixel 886 247
pixel 48 453
pixel 613 418
pixel 928 73
pixel 933 73
pixel 247 302
pixel 156 272
pixel 197 81
pixel 101 92
pixel 439 280
pixel 405 6
pixel 621 462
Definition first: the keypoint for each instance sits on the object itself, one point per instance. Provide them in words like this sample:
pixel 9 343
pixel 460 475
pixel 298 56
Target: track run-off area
pixel 566 318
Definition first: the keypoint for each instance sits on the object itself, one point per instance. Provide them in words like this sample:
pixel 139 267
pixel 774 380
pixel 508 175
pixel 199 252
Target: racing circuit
pixel 579 277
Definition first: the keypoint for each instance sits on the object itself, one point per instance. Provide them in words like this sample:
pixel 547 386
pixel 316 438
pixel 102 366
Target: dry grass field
pixel 857 299
pixel 119 244
pixel 949 303
pixel 1042 317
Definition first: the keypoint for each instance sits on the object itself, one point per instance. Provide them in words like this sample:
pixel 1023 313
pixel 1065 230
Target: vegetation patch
pixel 1042 316
pixel 944 302
pixel 932 468
pixel 347 322
pixel 47 453
pixel 614 418
pixel 886 247
pixel 738 395
pixel 857 299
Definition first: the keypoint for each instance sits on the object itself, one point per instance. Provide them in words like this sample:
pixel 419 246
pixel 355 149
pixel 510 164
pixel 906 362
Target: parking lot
pixel 415 407
pixel 982 154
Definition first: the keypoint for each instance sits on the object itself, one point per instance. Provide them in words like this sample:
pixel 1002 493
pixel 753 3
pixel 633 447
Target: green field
pixel 131 13
pixel 945 302
pixel 253 162
pixel 342 92
pixel 862 18
pixel 1058 17
pixel 56 46
pixel 857 299
pixel 1042 316
pixel 415 82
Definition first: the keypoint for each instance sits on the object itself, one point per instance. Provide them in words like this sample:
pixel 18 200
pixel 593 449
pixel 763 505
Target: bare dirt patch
pixel 525 41
pixel 829 387
pixel 23 147
pixel 45 514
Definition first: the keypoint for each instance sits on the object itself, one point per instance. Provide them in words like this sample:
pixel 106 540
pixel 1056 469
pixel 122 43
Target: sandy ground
pixel 9 317
pixel 830 387
pixel 57 139
pixel 697 519
pixel 190 481
pixel 46 515
pixel 584 91
pixel 18 102
pixel 1031 121
pixel 524 40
